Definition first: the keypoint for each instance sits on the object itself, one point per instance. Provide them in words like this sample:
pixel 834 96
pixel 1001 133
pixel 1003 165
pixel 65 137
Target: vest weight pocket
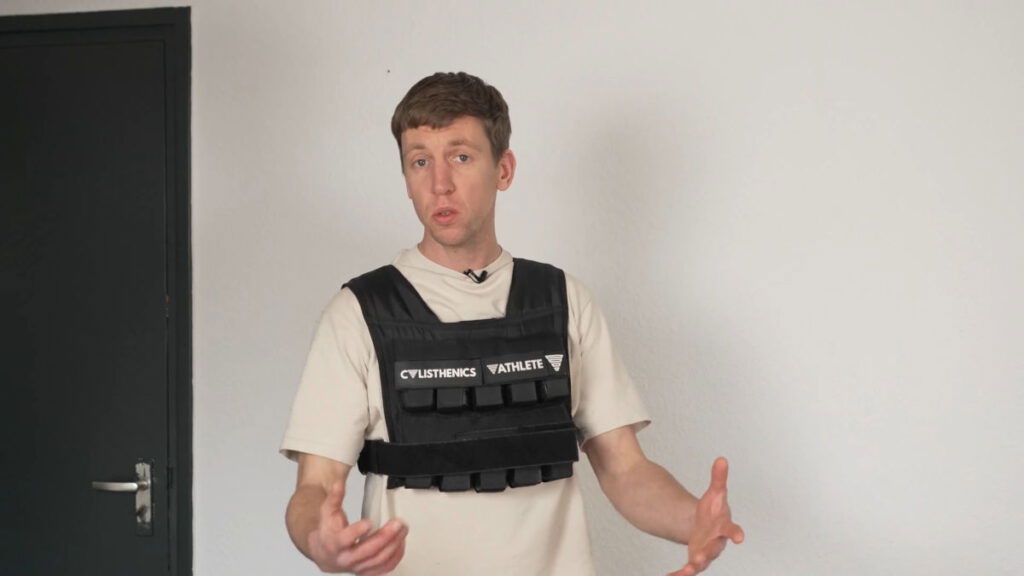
pixel 487 397
pixel 490 481
pixel 484 397
pixel 553 389
pixel 521 394
pixel 451 399
pixel 526 476
pixel 454 483
pixel 419 482
pixel 420 400
pixel 486 481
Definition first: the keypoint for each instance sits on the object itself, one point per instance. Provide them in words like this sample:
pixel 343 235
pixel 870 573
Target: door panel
pixel 84 298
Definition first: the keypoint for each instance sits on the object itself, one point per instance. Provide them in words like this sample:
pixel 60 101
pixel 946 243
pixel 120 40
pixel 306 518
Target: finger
pixel 736 534
pixel 370 545
pixel 729 531
pixel 710 552
pixel 347 537
pixel 388 565
pixel 687 570
pixel 381 558
pixel 719 474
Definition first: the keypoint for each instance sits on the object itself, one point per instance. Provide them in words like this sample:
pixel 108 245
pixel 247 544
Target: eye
pixel 420 163
pixel 462 158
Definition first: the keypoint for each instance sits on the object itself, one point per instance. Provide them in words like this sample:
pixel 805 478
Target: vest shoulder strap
pixel 387 296
pixel 535 286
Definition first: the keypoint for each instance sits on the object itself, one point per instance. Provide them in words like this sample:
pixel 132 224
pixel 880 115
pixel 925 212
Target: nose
pixel 443 183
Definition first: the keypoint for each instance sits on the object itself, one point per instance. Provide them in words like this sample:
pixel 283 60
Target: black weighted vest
pixel 480 404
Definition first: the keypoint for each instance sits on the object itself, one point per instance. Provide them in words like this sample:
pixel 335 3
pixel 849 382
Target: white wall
pixel 803 220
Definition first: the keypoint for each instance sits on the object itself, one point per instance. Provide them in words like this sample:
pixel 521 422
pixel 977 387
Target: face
pixel 452 179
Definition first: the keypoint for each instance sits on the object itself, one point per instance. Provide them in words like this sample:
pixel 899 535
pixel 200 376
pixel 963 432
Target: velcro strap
pixel 473 455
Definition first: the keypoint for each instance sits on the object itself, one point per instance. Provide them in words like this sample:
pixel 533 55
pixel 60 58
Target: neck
pixel 458 258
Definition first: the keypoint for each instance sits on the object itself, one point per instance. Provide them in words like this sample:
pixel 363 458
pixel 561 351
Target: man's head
pixel 452 132
pixel 439 99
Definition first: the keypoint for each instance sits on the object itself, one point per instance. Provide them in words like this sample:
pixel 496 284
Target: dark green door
pixel 86 266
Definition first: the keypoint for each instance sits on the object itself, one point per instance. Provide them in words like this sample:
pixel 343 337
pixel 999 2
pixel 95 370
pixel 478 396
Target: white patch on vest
pixel 516 366
pixel 555 360
pixel 430 373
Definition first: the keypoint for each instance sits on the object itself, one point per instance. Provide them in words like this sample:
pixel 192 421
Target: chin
pixel 448 239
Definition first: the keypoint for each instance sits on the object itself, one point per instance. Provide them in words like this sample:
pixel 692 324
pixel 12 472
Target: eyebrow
pixel 461 142
pixel 450 144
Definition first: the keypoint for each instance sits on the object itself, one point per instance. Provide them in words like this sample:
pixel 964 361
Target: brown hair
pixel 440 98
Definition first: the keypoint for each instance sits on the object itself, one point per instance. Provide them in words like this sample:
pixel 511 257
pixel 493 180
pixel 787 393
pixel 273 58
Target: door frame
pixel 172 26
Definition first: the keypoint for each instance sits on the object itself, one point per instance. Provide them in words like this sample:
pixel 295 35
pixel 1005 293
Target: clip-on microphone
pixel 473 275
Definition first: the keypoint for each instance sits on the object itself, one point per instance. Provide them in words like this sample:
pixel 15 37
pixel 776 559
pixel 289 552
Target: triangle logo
pixel 493 368
pixel 555 360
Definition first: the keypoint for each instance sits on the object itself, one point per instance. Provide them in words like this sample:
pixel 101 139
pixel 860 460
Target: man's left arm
pixel 652 500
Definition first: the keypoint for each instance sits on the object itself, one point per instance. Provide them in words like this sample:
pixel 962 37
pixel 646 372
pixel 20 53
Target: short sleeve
pixel 608 398
pixel 329 415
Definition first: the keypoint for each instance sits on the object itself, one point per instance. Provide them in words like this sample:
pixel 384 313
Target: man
pixel 443 376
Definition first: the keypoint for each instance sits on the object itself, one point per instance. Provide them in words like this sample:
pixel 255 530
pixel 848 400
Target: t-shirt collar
pixel 413 258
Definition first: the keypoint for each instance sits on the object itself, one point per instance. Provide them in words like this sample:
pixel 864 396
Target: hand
pixel 712 525
pixel 337 546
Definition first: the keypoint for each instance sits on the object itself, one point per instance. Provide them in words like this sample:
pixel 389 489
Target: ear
pixel 506 169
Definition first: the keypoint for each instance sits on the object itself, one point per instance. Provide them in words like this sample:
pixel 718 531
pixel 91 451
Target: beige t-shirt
pixel 534 530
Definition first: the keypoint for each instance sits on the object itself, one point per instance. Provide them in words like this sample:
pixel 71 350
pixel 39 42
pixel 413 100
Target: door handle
pixel 120 486
pixel 142 487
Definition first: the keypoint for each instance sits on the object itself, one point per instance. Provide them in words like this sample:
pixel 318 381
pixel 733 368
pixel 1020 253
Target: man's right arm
pixel 319 528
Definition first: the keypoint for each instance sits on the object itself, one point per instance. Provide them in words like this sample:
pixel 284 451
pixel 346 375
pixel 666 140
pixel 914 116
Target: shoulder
pixel 343 312
pixel 577 292
pixel 343 330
